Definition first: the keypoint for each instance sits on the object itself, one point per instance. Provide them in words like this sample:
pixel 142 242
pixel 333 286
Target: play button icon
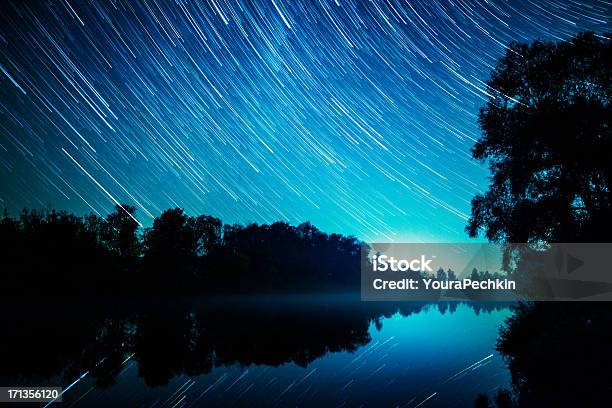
pixel 572 263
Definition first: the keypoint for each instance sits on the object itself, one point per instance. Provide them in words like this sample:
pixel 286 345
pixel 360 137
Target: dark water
pixel 327 350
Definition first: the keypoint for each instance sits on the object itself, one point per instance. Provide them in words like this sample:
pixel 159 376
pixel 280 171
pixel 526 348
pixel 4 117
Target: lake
pixel 303 350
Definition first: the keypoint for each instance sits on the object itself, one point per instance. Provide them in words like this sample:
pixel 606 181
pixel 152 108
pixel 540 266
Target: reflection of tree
pixel 188 337
pixel 563 364
pixel 546 138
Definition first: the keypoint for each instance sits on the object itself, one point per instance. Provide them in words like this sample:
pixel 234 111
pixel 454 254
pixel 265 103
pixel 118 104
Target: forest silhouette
pixel 55 252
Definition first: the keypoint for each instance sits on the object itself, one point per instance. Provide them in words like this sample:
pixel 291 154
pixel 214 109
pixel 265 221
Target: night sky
pixel 357 116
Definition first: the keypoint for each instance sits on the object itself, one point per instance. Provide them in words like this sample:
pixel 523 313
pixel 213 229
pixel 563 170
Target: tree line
pixel 51 251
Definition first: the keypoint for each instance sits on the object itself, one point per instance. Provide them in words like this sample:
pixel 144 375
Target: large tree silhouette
pixel 546 139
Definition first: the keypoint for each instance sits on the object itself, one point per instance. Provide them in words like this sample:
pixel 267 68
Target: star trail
pixel 357 116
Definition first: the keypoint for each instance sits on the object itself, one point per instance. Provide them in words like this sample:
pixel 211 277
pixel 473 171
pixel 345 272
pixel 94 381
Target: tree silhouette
pixel 61 253
pixel 546 138
pixel 208 233
pixel 171 249
pixel 503 399
pixel 120 232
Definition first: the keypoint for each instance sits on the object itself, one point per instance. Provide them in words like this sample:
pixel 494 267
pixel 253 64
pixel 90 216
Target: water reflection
pixel 167 340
